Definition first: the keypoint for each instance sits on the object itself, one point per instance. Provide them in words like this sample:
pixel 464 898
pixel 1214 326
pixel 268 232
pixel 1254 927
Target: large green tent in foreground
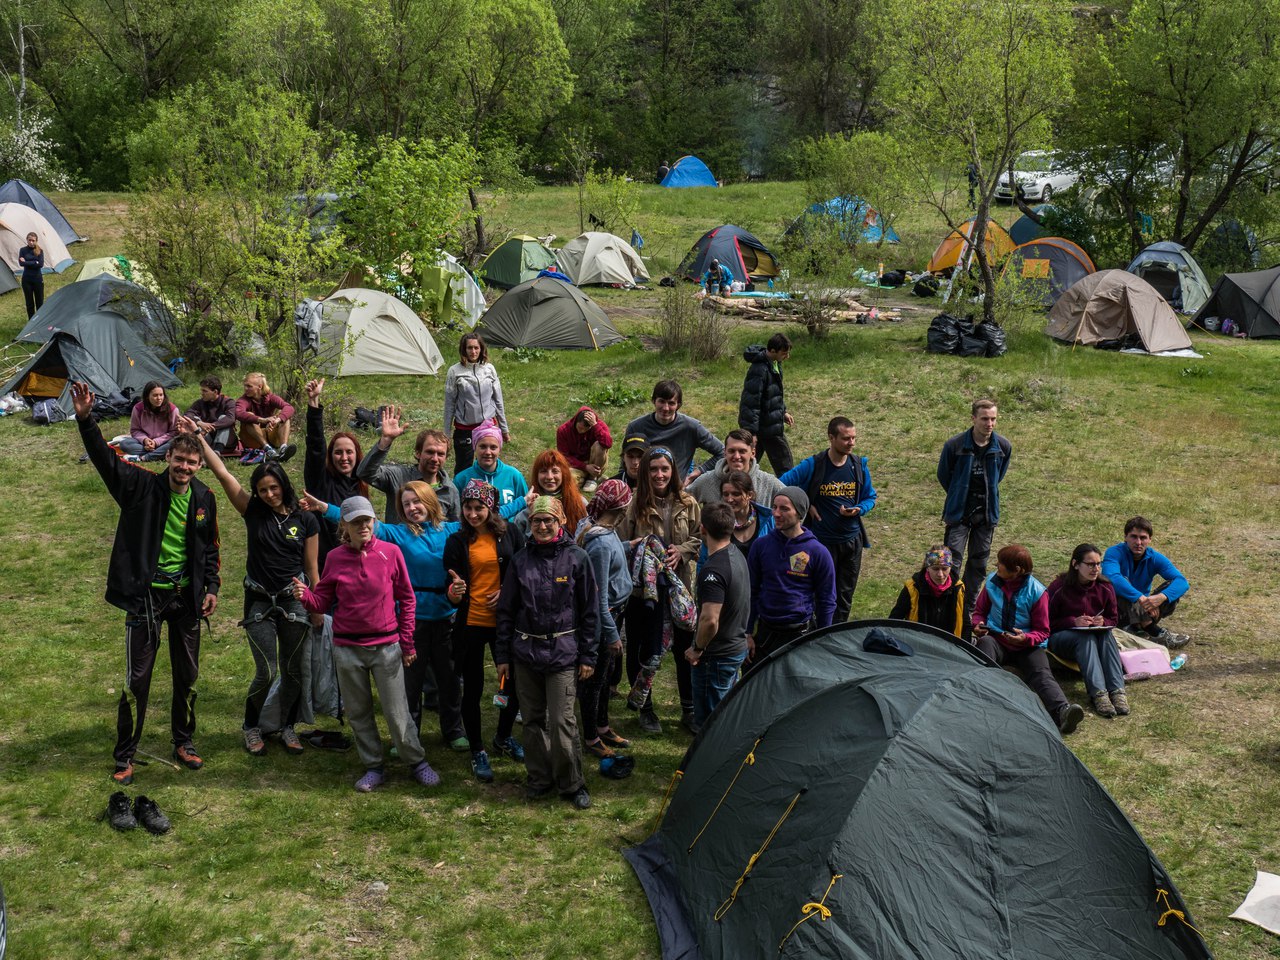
pixel 873 806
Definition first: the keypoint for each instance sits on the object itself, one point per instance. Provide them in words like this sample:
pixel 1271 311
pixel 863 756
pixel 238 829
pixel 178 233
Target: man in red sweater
pixel 584 439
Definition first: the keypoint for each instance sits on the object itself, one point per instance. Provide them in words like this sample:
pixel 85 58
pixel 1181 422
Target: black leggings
pixel 433 644
pixel 33 292
pixel 469 645
pixel 644 641
pixel 594 692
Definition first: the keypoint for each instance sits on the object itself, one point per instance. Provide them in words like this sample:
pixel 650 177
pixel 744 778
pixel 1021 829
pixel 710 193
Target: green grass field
pixel 278 857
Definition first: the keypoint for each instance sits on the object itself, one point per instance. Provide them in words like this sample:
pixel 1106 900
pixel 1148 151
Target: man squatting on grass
pixel 1132 567
pixel 164 568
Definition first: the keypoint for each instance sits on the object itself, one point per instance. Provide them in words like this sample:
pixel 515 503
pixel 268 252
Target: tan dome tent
pixel 601 258
pixel 549 314
pixel 1112 305
pixel 16 221
pixel 997 241
pixel 379 334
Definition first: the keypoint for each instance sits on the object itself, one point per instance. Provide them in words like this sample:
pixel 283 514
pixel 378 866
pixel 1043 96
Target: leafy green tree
pixel 974 83
pixel 867 165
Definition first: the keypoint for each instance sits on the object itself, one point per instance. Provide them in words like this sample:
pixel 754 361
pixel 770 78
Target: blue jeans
pixel 1096 653
pixel 713 677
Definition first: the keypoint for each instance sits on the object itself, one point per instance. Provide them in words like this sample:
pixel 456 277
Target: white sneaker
pixel 589 487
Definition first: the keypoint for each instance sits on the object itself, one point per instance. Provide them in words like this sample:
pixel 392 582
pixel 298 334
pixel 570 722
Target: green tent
pixel 515 261
pixel 549 314
pixel 842 802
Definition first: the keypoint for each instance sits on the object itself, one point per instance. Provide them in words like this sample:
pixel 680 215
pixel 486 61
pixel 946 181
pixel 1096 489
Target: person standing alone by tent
pixel 31 260
pixel 762 410
pixel 164 568
pixel 970 469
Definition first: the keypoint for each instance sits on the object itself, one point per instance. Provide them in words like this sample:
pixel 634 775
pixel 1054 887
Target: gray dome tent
pixel 866 806
pixel 549 314
pixel 102 332
pixel 1251 300
pixel 1173 271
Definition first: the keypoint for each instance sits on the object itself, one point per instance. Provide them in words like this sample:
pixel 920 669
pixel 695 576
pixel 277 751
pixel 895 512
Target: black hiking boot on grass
pixel 150 816
pixel 119 813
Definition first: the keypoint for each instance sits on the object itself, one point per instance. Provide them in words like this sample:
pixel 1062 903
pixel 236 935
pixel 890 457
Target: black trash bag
pixel 993 336
pixel 944 334
pixel 894 278
pixel 972 346
pixel 926 286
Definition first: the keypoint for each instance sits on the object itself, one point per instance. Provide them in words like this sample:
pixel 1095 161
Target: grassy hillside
pixel 278 857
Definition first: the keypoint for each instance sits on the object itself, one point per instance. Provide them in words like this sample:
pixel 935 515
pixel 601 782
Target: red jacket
pixel 576 446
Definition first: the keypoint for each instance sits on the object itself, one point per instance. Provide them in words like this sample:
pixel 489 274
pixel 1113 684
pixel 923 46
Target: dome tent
pixel 549 314
pixel 1173 271
pixel 1051 263
pixel 947 254
pixel 689 171
pixel 19 191
pixel 601 258
pixel 744 255
pixel 1114 305
pixel 379 334
pixel 516 260
pixel 857 220
pixel 16 221
pixel 1250 300
pixel 1024 229
pixel 918 824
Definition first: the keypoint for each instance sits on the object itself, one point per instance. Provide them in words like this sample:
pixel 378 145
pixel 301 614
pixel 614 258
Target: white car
pixel 1040 176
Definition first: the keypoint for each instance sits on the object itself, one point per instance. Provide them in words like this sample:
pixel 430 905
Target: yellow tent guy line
pixel 755 857
pixel 675 778
pixel 1162 900
pixel 747 761
pixel 813 908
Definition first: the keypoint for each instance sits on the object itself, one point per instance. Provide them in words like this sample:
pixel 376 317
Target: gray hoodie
pixel 706 488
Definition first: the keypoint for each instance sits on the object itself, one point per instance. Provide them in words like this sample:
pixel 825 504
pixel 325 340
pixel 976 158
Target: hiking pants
pixel 33 293
pixel 432 641
pixel 971 547
pixel 1033 665
pixel 847 557
pixel 598 457
pixel 1132 615
pixel 775 636
pixel 277 639
pixel 552 752
pixel 1097 655
pixel 464 451
pixel 141 643
pixel 469 645
pixel 778 451
pixel 382 664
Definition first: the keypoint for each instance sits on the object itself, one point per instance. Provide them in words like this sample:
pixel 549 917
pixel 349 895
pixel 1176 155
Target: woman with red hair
pixel 551 476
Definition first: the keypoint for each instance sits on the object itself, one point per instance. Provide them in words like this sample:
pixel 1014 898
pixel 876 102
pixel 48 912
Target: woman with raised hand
pixel 366 584
pixel 472 396
pixel 329 472
pixel 476 559
pixel 283 545
pixel 1082 614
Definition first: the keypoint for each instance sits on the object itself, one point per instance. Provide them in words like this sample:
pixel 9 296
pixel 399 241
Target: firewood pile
pixel 843 306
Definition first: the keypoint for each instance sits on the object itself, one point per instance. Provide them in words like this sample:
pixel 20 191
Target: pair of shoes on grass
pixel 123 815
pixel 373 779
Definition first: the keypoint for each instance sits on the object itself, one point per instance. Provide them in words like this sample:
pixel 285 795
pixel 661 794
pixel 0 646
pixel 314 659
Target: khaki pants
pixel 599 457
pixel 552 751
pixel 253 437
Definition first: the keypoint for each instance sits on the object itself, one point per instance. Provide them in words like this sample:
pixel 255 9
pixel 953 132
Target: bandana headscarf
pixel 548 504
pixel 611 495
pixel 934 557
pixel 489 431
pixel 486 493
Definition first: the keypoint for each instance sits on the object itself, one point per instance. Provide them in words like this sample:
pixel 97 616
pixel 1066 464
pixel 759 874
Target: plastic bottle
pixel 1177 662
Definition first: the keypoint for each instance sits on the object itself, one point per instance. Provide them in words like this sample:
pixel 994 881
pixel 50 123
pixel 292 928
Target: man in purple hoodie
pixel 793 578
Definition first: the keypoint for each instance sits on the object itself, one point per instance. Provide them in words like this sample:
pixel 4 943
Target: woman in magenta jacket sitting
pixel 1082 613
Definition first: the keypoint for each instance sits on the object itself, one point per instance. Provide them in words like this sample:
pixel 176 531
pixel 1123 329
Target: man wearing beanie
pixel 793 580
pixel 486 440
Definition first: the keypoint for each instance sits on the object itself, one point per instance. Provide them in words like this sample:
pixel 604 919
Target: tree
pixel 974 83
pixel 867 165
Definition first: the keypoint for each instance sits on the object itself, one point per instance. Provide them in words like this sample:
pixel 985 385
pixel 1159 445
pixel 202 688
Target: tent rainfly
pixel 847 803
pixel 1024 229
pixel 1113 305
pixel 1050 263
pixel 601 258
pixel 516 261
pixel 1250 300
pixel 1173 271
pixel 19 191
pixel 744 255
pixel 551 315
pixel 997 241
pixel 375 334
pixel 857 220
pixel 689 171
pixel 18 220
pixel 104 332
pixel 8 281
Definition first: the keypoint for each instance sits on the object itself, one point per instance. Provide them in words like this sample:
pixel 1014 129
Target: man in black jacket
pixel 763 408
pixel 163 568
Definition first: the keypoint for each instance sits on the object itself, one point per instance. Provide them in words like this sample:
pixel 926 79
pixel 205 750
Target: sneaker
pixel 640 690
pixel 580 799
pixel 509 747
pixel 1102 705
pixel 1171 640
pixel 598 749
pixel 589 487
pixel 480 767
pixel 253 741
pixel 1070 718
pixel 292 742
pixel 119 813
pixel 252 457
pixel 187 756
pixel 460 744
pixel 150 816
pixel 687 721
pixel 123 775
pixel 370 782
pixel 1120 701
pixel 425 775
pixel 649 721
pixel 285 452
pixel 612 739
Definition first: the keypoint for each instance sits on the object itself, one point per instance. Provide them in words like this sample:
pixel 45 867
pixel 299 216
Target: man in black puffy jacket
pixel 763 408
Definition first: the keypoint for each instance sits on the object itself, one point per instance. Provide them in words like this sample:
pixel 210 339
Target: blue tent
pixel 19 191
pixel 689 172
pixel 858 220
pixel 1024 229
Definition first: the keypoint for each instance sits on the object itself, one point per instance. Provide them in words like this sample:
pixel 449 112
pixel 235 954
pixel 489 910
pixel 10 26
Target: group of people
pixel 572 579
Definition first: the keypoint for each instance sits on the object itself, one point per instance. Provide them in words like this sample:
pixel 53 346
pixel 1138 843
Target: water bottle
pixel 1177 662
pixel 501 699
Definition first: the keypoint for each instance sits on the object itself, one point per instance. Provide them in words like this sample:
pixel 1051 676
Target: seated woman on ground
pixel 933 595
pixel 1082 614
pixel 1011 626
pixel 152 424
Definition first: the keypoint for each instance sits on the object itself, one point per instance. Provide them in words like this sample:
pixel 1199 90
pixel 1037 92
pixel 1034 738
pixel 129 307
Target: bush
pixel 687 325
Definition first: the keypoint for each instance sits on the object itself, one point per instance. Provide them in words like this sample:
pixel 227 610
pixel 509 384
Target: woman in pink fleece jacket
pixel 152 424
pixel 366 586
